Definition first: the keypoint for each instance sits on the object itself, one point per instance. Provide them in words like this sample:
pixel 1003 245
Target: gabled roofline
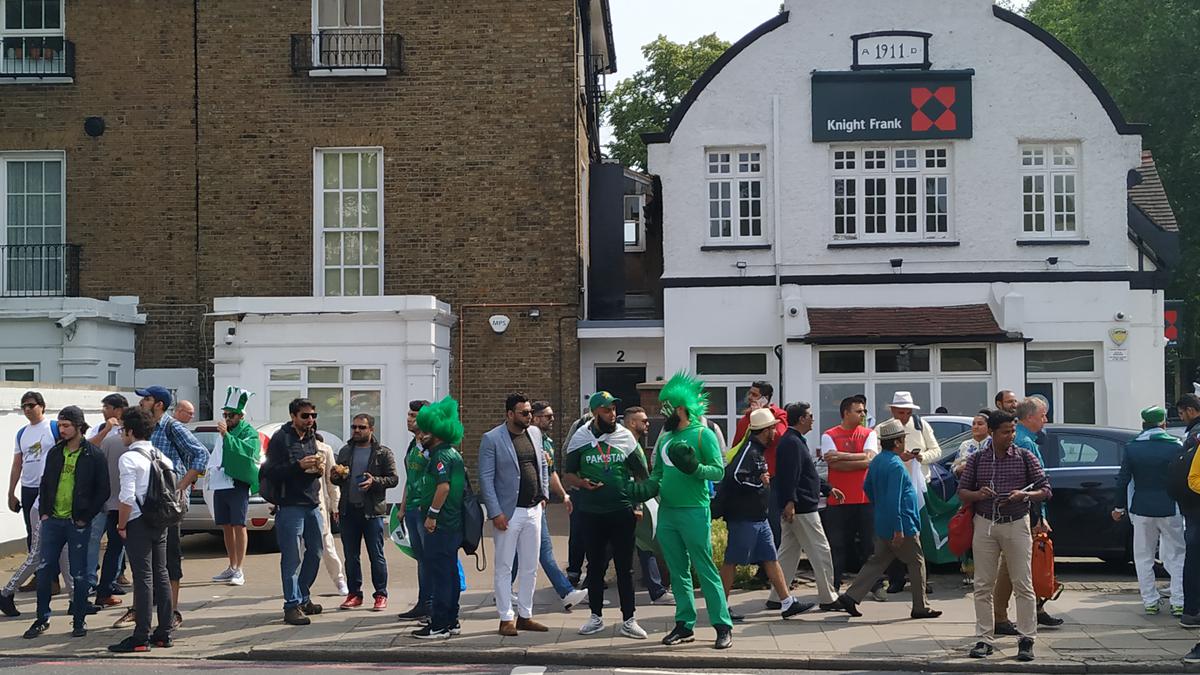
pixel 698 86
pixel 1150 237
pixel 1072 59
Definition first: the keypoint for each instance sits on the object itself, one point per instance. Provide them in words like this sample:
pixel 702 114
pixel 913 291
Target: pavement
pixel 1106 630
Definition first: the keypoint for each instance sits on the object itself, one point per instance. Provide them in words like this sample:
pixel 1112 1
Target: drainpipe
pixel 776 222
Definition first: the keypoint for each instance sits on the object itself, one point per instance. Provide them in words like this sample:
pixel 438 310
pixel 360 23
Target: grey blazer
pixel 500 471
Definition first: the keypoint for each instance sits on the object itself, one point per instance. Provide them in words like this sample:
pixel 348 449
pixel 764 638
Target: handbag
pixel 961 531
pixel 1045 586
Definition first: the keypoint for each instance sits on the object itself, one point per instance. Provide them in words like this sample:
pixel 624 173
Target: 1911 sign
pixel 891 49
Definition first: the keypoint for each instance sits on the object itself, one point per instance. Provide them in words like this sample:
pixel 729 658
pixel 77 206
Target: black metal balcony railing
pixel 39 270
pixel 37 57
pixel 347 51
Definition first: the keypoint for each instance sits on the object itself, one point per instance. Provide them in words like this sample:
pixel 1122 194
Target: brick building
pixel 327 197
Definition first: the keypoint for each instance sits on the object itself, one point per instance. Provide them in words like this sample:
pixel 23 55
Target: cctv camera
pixel 67 321
pixel 228 339
pixel 1120 316
pixel 793 311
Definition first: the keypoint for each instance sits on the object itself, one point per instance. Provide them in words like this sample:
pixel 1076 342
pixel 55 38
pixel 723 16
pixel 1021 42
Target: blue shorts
pixel 230 505
pixel 750 542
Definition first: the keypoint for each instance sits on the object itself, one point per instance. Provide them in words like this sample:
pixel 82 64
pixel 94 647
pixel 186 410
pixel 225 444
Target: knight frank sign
pixel 891 105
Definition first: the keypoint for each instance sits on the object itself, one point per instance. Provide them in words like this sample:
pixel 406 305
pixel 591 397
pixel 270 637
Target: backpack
pixel 1177 477
pixel 162 506
pixel 1045 586
pixel 53 432
pixel 472 518
pixel 270 490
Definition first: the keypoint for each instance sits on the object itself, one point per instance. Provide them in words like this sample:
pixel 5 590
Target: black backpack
pixel 270 490
pixel 472 518
pixel 162 507
pixel 1177 477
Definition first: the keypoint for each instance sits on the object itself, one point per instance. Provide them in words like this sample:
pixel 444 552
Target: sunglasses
pixel 229 415
pixel 549 417
pixel 28 406
pixel 359 427
pixel 308 416
pixel 524 413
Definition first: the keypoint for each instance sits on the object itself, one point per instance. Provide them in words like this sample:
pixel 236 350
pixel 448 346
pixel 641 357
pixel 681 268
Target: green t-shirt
pixel 446 466
pixel 66 484
pixel 676 488
pixel 417 482
pixel 602 463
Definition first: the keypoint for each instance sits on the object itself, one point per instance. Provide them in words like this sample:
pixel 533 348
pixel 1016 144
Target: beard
pixel 606 427
pixel 672 423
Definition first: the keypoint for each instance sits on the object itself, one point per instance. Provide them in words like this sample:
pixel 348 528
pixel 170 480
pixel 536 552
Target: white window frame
pixel 639 224
pixel 361 29
pixel 870 377
pixel 738 172
pixel 346 384
pixel 29 156
pixel 731 382
pixel 858 171
pixel 319 220
pixel 8 67
pixel 1057 379
pixel 1051 172
pixel 5 367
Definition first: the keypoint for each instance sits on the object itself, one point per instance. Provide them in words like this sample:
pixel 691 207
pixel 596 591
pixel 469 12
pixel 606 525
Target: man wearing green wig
pixel 686 458
pixel 443 510
pixel 232 476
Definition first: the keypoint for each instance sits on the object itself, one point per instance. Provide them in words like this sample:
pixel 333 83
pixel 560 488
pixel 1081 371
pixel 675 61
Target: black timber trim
pixel 1072 59
pixel 1164 245
pixel 892 244
pixel 907 339
pixel 891 75
pixel 698 87
pixel 716 282
pixel 1157 280
pixel 1053 242
pixel 736 247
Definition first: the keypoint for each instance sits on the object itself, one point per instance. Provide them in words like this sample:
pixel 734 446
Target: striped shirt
pixel 1016 469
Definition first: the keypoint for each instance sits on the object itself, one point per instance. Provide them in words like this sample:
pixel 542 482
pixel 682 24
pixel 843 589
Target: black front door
pixel 622 382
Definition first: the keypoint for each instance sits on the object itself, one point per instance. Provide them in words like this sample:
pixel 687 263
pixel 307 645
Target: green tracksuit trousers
pixel 685 535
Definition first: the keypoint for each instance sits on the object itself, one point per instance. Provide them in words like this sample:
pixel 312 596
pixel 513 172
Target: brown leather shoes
pixel 530 624
pixel 508 628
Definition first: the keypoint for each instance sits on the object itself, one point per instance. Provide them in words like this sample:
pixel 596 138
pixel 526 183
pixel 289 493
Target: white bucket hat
pixel 903 399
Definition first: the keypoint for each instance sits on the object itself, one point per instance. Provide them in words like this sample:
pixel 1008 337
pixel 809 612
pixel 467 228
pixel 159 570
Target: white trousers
pixel 522 539
pixel 1164 535
pixel 329 556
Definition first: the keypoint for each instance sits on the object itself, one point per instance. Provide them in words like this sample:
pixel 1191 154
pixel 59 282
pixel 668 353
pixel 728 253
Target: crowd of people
pixel 853 505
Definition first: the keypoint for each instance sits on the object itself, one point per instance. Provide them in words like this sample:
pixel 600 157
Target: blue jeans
pixel 558 579
pixel 357 526
pixel 1191 564
pixel 99 524
pixel 114 555
pixel 414 522
pixel 56 533
pixel 650 574
pixel 293 523
pixel 441 554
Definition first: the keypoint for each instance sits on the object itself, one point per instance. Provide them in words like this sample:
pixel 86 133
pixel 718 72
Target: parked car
pixel 946 427
pixel 1082 463
pixel 260 521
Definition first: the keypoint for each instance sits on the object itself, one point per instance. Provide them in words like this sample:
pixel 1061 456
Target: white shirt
pixel 36 441
pixel 135 475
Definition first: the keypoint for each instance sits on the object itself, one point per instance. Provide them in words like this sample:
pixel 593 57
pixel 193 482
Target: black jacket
pixel 284 452
pixel 381 464
pixel 744 497
pixel 796 479
pixel 91 481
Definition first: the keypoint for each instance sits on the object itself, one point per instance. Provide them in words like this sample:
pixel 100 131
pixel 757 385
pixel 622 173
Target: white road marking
pixel 528 670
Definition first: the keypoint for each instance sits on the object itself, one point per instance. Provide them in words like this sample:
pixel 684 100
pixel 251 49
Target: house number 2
pixel 620 356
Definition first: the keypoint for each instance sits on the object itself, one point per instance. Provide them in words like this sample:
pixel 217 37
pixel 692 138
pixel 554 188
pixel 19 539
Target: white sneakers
pixel 343 589
pixel 667 598
pixel 238 578
pixel 224 576
pixel 631 629
pixel 575 597
pixel 594 625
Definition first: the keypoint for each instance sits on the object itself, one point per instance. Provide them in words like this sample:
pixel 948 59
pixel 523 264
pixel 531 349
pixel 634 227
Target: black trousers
pixel 576 546
pixel 850 529
pixel 28 497
pixel 146 550
pixel 602 530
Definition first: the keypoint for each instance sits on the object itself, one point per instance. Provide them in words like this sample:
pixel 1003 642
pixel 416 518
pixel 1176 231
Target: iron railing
pixel 341 50
pixel 36 57
pixel 39 270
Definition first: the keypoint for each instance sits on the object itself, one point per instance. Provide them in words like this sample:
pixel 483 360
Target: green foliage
pixel 643 102
pixel 1144 53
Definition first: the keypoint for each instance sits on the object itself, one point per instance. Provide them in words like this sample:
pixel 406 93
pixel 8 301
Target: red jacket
pixel 781 426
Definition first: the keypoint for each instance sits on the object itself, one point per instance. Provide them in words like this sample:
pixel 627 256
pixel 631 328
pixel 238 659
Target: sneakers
pixel 456 629
pixel 594 625
pixel 1152 609
pixel 40 626
pixel 1045 619
pixel 417 613
pixel 176 620
pixel 351 602
pixel 667 598
pixel 631 629
pixel 79 630
pixel 428 633
pixel 796 607
pixel 774 605
pixel 1025 649
pixel 724 637
pixel 679 635
pixel 1006 628
pixel 127 619
pixel 343 589
pixel 162 641
pixel 1176 611
pixel 225 575
pixel 238 578
pixel 295 616
pixel 927 613
pixel 572 598
pixel 105 603
pixel 8 605
pixel 878 595
pixel 1189 621
pixel 128 646
pixel 380 603
pixel 981 650
pixel 310 608
pixel 1194 655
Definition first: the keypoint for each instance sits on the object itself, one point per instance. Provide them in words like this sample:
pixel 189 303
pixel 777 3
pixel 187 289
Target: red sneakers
pixel 380 603
pixel 352 601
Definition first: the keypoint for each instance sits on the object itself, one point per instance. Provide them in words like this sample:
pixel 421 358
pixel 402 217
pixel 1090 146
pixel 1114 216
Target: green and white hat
pixel 236 399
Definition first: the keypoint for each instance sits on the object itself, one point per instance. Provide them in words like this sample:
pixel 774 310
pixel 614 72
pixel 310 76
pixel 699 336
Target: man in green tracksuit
pixel 686 458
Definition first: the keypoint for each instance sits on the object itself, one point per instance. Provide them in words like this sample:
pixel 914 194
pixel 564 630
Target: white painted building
pixel 869 196
pixel 83 341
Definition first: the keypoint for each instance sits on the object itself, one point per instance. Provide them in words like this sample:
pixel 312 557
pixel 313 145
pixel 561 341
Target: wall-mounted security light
pixel 1052 260
pixel 896 263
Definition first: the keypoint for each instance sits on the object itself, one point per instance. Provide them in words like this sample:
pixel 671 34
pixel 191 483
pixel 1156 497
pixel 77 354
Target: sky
pixel 638 22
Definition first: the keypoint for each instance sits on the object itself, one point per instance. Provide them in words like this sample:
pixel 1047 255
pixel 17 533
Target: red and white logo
pixel 934 109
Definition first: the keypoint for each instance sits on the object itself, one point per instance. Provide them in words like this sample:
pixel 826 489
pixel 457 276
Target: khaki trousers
pixel 805 534
pixel 1010 545
pixel 909 553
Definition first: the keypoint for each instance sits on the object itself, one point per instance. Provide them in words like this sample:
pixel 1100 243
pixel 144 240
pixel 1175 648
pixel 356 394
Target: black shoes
pixel 1025 649
pixel 724 637
pixel 1045 619
pixel 981 650
pixel 679 635
pixel 895 587
pixel 163 641
pixel 774 604
pixel 416 613
pixel 848 605
pixel 89 610
pixel 79 630
pixel 428 633
pixel 128 646
pixel 927 613
pixel 830 606
pixel 310 608
pixel 1006 628
pixel 8 605
pixel 295 616
pixel 36 629
pixel 797 608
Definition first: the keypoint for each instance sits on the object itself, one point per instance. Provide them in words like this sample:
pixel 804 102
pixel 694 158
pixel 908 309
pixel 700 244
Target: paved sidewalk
pixel 1106 630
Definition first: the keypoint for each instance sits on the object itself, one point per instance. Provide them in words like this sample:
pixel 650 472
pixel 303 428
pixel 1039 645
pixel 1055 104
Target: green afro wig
pixel 685 391
pixel 441 420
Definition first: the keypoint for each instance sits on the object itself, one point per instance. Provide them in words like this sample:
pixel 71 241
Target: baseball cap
pixel 160 394
pixel 602 399
pixel 1154 415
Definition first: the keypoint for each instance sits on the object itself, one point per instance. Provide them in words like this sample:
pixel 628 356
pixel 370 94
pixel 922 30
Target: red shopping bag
pixel 961 531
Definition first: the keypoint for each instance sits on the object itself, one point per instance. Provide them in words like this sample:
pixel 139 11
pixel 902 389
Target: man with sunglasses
pixel 34 440
pixel 365 470
pixel 233 477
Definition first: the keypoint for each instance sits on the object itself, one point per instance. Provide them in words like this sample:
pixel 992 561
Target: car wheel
pixel 264 542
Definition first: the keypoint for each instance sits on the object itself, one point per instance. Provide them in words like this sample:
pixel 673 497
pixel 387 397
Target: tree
pixel 643 102
pixel 1144 53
